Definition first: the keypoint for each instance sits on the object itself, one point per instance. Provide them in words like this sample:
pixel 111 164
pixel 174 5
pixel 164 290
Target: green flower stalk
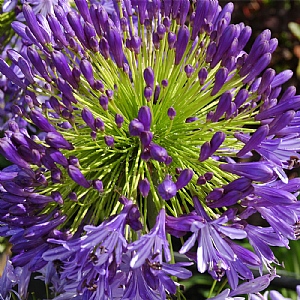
pixel 147 130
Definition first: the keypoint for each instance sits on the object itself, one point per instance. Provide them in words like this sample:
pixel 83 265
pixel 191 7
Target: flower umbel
pixel 141 126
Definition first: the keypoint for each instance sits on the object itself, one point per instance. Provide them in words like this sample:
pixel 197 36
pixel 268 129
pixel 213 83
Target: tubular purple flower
pixel 259 135
pixel 148 92
pixel 289 93
pixel 103 100
pixel 202 75
pixel 56 140
pixel 9 73
pixel 171 113
pixel 156 40
pixel 205 152
pixel 119 120
pixel 201 12
pixel 158 153
pixel 217 140
pixel 184 178
pixel 244 37
pixel 56 196
pixel 181 43
pixel 161 30
pixel 156 93
pixel 88 118
pixel 171 39
pixel 231 197
pixel 76 25
pixel 67 93
pixel 149 77
pixel 154 242
pixel 167 189
pixel 24 66
pixel 281 78
pixel 30 18
pixel 136 44
pixel 87 71
pixel 253 286
pixel 223 106
pixel 145 117
pixel 37 63
pixel 144 187
pixel 184 9
pixel 175 8
pixel 254 56
pixel 62 18
pixel 84 10
pixel 274 196
pixel 11 154
pixel 220 79
pixel 56 175
pixel 104 48
pixel 57 156
pixel 128 7
pixel 41 229
pixel 189 69
pixel 40 121
pixel 211 50
pixel 136 127
pixel 98 185
pixel 115 45
pixel 19 28
pixel 226 41
pixel 281 122
pixel 109 141
pixel 259 66
pixel 273 45
pixel 142 11
pixel 94 18
pixel 240 98
pixel 291 104
pixel 254 170
pixel 146 138
pixel 266 80
pixel 57 29
pixel 209 148
pixel 77 176
pixel 99 124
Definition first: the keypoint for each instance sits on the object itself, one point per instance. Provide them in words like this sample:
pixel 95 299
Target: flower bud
pixel 145 117
pixel 109 141
pixel 144 187
pixel 136 127
pixel 171 113
pixel 184 178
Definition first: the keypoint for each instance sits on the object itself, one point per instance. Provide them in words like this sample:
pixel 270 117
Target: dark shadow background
pixel 274 15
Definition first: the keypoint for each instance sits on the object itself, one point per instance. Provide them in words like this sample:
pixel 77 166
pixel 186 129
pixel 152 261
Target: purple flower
pixel 213 252
pixel 144 187
pixel 167 189
pixel 8 280
pixel 153 243
pixel 109 102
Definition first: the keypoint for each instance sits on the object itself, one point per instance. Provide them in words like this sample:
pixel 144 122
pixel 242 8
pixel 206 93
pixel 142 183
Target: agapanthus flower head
pixel 146 129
